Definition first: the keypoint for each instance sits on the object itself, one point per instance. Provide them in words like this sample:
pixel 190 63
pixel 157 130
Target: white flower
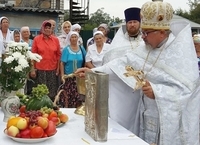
pixel 34 56
pixel 9 59
pixel 16 62
pixel 23 62
pixel 18 68
pixel 17 55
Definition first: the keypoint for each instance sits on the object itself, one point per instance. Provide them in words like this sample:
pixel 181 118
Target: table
pixel 73 133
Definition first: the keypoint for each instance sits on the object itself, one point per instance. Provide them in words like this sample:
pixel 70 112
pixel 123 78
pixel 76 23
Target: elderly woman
pixel 16 35
pixel 47 70
pixel 66 28
pixel 25 35
pixel 77 28
pixel 96 51
pixel 105 30
pixel 5 34
pixel 73 57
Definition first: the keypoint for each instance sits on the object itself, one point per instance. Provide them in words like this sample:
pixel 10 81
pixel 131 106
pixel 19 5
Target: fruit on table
pixel 52 114
pixel 12 131
pixel 42 122
pixel 22 109
pixel 22 124
pixel 25 133
pixel 56 120
pixel 51 129
pixel 33 125
pixel 37 132
pixel 13 121
pixel 63 118
pixel 39 98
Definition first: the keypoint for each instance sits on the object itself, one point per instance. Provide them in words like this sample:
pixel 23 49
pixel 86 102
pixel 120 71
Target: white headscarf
pixel 63 38
pixel 63 32
pixel 76 26
pixel 69 36
pixel 7 39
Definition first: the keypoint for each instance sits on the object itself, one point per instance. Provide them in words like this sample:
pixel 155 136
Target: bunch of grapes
pixel 46 110
pixel 33 116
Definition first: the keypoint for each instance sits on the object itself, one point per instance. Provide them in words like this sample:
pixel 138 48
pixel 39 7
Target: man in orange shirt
pixel 47 70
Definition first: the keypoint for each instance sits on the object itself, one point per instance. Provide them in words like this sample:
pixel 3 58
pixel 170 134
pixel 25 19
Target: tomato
pixel 37 132
pixel 22 109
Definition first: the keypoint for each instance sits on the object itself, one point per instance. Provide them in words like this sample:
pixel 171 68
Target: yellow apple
pixel 12 131
pixel 22 124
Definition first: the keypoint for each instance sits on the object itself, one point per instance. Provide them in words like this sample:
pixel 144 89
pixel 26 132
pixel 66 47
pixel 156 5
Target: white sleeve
pixel 104 68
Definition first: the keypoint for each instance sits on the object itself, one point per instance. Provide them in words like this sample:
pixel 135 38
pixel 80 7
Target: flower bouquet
pixel 15 66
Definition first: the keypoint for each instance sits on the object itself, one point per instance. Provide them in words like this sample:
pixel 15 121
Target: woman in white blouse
pixel 96 51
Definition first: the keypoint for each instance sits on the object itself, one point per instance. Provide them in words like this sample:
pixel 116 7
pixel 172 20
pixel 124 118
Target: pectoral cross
pixel 137 74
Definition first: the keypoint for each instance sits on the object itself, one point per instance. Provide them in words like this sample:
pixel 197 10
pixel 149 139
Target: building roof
pixel 29 9
pixel 175 18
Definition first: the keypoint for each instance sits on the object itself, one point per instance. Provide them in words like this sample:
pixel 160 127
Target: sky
pixel 115 8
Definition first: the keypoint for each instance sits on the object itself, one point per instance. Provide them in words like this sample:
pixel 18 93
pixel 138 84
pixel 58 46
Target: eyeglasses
pixel 148 32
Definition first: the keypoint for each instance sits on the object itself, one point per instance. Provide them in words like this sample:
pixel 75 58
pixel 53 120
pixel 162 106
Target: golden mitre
pixel 156 15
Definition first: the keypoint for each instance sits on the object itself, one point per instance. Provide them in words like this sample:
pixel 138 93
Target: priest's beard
pixel 133 31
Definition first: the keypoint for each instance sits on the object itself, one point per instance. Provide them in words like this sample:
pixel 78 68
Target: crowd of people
pixel 61 55
pixel 165 109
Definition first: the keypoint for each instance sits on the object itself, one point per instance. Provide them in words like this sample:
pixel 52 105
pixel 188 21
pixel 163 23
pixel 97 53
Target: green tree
pixel 66 15
pixel 99 17
pixel 194 12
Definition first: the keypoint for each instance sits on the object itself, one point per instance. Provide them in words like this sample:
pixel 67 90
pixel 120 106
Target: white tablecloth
pixel 73 133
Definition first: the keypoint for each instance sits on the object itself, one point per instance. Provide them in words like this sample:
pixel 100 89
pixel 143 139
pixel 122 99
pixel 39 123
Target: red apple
pixel 51 129
pixel 25 133
pixel 56 120
pixel 37 132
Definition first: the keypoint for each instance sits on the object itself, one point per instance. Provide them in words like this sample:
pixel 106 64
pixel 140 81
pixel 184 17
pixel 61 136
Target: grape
pixel 33 116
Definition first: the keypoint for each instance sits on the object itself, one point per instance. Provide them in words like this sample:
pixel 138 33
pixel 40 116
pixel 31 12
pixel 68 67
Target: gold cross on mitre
pixel 137 74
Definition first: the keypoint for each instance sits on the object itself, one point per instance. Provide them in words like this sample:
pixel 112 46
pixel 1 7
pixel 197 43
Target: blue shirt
pixel 30 42
pixel 72 59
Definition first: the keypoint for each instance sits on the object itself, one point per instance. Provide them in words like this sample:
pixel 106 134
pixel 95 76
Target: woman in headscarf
pixel 96 51
pixel 16 35
pixel 103 28
pixel 48 47
pixel 73 57
pixel 77 28
pixel 66 28
pixel 5 33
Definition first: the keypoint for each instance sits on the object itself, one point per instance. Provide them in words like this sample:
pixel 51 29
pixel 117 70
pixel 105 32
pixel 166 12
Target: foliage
pixel 66 15
pixel 15 66
pixel 40 91
pixel 194 12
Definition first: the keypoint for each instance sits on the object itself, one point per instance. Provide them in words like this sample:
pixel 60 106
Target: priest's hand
pixel 81 71
pixel 148 91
